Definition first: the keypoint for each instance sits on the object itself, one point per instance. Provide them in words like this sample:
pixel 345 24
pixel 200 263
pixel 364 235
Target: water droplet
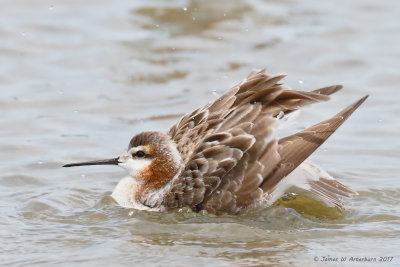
pixel 61 92
pixel 380 120
pixel 246 30
pixel 224 14
pixel 157 25
pixel 193 18
pixel 214 92
pixel 301 82
pixel 173 48
pixel 23 34
pixel 325 149
pixel 131 213
pixel 51 7
pixel 280 115
pixel 185 9
pixel 76 111
pixel 219 38
pixel 226 76
pixel 218 192
pixel 83 175
pixel 40 162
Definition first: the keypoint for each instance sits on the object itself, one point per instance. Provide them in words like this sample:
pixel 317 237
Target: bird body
pixel 225 156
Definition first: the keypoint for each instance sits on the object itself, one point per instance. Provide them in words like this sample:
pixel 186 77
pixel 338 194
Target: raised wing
pixel 294 149
pixel 257 89
pixel 227 145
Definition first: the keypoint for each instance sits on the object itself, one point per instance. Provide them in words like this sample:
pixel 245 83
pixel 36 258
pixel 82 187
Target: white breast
pixel 125 195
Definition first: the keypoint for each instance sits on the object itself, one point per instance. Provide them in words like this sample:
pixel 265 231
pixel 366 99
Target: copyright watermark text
pixel 365 259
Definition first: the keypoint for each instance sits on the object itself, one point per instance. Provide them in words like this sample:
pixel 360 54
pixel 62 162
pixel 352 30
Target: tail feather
pixel 310 180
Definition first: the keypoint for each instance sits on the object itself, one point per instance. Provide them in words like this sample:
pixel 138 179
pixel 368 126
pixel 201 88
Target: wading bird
pixel 224 157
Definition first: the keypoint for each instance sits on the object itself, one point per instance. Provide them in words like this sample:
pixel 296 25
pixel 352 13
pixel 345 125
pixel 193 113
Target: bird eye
pixel 140 154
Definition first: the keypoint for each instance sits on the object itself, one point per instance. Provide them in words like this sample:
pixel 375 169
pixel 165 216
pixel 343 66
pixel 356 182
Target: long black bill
pixel 113 161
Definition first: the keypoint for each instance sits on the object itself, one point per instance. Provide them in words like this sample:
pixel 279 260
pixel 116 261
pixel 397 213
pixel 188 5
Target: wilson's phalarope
pixel 224 156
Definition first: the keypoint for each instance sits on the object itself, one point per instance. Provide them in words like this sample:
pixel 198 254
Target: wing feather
pixel 294 149
pixel 230 156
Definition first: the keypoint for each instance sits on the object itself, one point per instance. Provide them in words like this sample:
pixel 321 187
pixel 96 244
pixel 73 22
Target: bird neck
pixel 158 173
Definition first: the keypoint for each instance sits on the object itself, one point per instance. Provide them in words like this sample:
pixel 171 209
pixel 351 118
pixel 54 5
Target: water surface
pixel 79 78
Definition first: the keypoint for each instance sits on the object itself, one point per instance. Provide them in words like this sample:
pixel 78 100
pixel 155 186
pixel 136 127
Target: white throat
pixel 133 166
